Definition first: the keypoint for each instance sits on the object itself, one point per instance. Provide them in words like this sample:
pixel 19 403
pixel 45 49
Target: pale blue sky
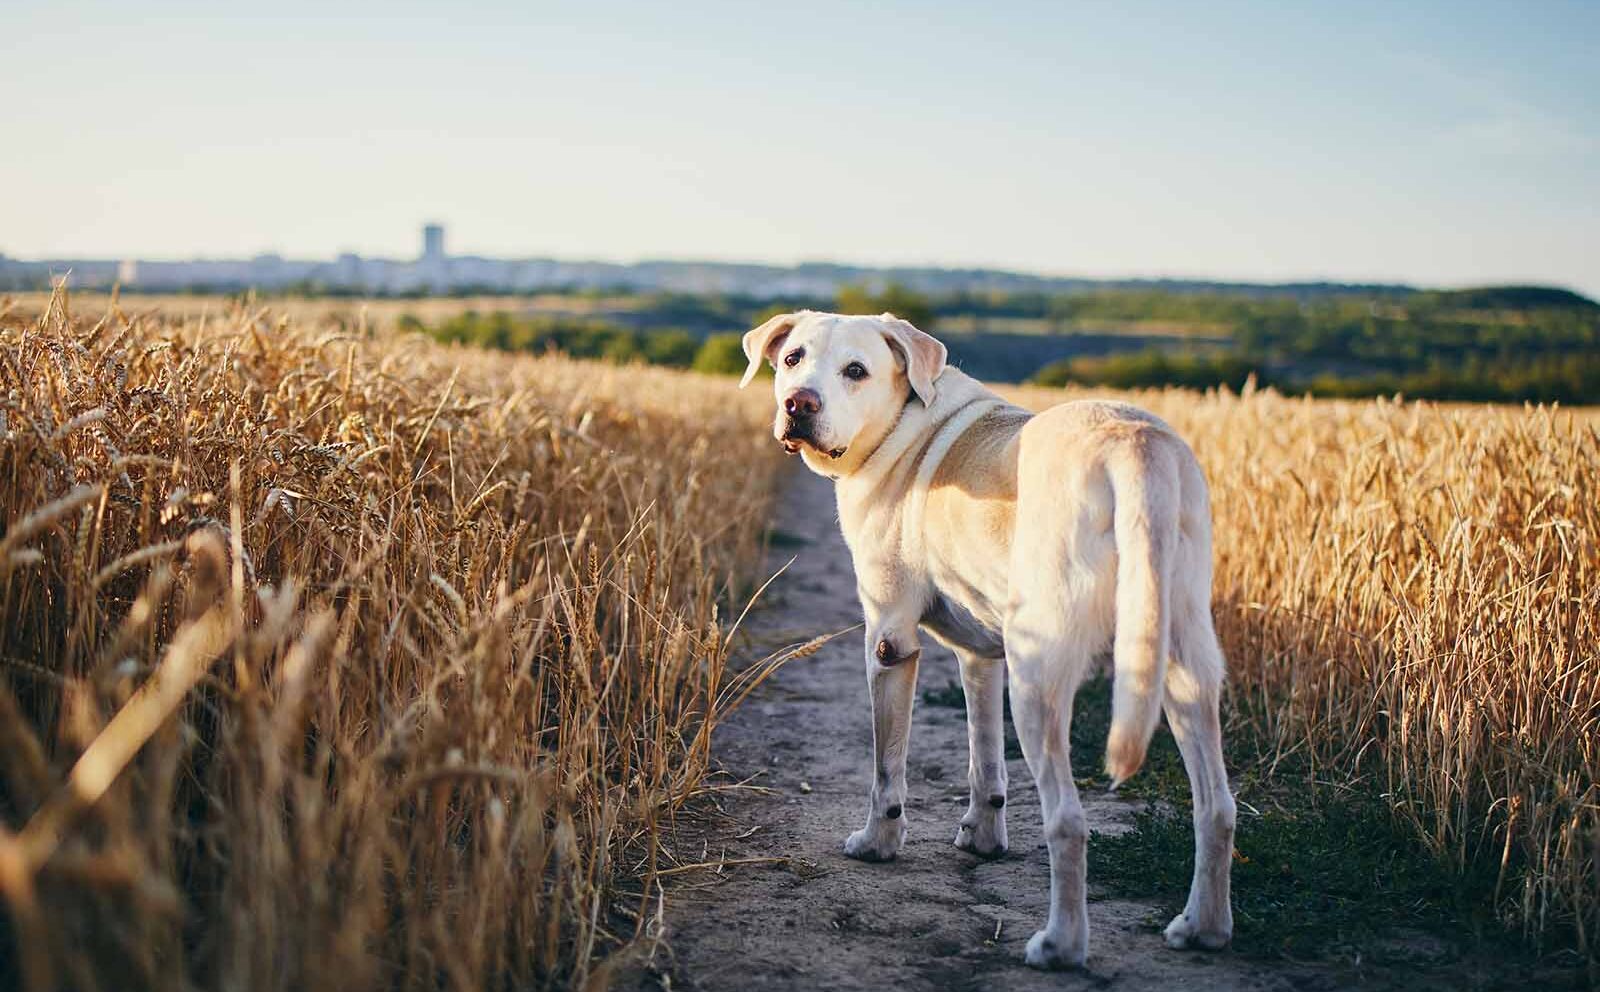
pixel 1441 143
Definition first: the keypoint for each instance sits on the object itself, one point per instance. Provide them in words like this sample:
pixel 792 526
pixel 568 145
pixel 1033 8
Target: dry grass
pixel 1409 596
pixel 444 633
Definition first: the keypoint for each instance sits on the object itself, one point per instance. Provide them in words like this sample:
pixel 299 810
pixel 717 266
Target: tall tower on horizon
pixel 433 242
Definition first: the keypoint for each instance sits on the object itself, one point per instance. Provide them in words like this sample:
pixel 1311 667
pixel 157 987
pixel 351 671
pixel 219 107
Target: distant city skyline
pixel 1435 144
pixel 434 269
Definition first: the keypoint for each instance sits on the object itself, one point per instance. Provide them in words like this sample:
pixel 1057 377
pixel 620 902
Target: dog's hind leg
pixel 983 829
pixel 1193 687
pixel 1045 666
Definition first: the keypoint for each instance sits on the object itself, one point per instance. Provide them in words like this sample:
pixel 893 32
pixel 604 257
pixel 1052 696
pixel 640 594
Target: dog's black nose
pixel 802 403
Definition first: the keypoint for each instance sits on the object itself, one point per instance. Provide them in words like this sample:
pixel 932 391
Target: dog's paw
pixel 877 841
pixel 983 832
pixel 1182 933
pixel 1054 951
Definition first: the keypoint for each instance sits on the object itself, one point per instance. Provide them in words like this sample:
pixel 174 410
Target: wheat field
pixel 332 660
pixel 334 657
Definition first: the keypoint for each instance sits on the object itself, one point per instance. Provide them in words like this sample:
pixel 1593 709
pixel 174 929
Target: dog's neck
pixel 911 446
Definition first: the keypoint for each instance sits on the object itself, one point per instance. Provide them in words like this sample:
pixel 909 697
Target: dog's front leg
pixel 892 656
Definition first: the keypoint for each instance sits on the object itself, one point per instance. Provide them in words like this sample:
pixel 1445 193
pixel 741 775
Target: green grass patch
pixel 1336 879
pixel 1318 873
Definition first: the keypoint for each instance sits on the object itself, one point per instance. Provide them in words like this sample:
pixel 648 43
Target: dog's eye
pixel 793 358
pixel 855 370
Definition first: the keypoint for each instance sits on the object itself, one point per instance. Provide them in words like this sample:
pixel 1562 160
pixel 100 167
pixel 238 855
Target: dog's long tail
pixel 1145 525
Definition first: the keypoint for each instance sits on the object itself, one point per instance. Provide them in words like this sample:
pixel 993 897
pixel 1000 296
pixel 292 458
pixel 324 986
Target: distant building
pixel 433 243
pixel 434 266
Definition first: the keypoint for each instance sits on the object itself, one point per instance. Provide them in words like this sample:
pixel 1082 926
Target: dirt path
pixel 936 918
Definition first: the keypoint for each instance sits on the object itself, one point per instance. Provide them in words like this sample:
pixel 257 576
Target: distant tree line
pixel 1504 344
pixel 1569 378
pixel 1151 368
pixel 1496 344
pixel 575 336
pixel 720 353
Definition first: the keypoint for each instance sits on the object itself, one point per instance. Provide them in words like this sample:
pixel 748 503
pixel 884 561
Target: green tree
pixel 619 346
pixel 670 347
pixel 721 354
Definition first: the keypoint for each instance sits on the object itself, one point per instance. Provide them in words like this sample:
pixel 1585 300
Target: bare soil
pixel 935 918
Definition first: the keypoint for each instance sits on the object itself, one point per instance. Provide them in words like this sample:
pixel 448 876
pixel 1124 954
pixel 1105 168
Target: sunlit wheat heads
pixel 333 658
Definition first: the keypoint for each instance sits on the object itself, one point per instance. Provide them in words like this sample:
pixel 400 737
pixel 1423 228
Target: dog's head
pixel 841 381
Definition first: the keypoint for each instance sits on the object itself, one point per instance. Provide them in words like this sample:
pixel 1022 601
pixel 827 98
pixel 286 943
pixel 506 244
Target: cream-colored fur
pixel 1029 544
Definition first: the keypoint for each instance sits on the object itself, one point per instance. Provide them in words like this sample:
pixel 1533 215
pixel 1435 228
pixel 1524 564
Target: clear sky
pixel 1439 143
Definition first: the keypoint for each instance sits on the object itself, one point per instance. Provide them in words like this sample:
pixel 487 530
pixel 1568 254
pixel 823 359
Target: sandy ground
pixel 936 918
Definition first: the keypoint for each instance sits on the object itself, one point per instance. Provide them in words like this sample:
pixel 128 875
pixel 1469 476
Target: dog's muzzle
pixel 797 433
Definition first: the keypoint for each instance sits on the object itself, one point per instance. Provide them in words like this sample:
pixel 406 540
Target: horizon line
pixel 1355 282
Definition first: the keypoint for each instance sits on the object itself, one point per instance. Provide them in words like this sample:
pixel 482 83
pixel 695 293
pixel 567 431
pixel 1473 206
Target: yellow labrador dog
pixel 1042 540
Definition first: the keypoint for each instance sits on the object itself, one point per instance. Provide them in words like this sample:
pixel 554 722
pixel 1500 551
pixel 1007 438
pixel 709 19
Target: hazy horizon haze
pixel 1436 144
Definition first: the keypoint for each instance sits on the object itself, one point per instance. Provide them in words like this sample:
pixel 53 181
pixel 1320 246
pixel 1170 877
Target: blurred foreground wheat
pixel 1409 597
pixel 443 631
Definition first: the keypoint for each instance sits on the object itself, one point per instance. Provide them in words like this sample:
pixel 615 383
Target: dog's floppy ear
pixel 924 355
pixel 763 341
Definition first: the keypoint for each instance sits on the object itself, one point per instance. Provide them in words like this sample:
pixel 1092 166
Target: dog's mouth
pixel 796 437
pixel 793 446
